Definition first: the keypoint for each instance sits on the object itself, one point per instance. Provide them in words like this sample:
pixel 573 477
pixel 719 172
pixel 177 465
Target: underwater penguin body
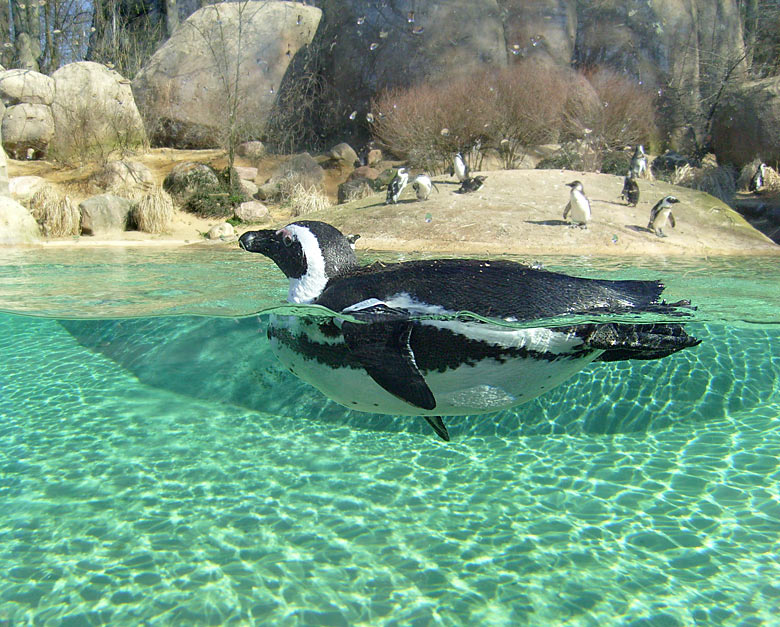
pixel 403 351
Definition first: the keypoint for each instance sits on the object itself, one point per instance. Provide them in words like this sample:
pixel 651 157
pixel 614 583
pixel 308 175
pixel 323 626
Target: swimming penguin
pixel 578 206
pixel 459 167
pixel 399 345
pixel 422 185
pixel 396 186
pixel 639 162
pixel 471 184
pixel 661 214
pixel 757 181
pixel 630 191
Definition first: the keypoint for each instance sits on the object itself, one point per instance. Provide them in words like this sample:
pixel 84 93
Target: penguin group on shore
pixel 661 215
pixel 396 186
pixel 638 162
pixel 758 179
pixel 630 191
pixel 578 206
pixel 471 184
pixel 422 186
pixel 400 347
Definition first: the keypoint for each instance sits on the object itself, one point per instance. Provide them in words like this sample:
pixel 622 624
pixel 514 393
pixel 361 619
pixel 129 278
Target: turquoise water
pixel 157 466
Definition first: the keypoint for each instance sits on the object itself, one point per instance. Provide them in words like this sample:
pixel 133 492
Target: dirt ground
pixel 517 211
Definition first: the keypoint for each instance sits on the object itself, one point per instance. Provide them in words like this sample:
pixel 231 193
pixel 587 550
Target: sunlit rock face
pixel 682 49
pixel 746 125
pixel 376 44
pixel 226 60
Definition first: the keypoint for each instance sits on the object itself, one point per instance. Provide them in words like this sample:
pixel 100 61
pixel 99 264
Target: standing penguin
pixel 396 186
pixel 578 206
pixel 630 191
pixel 639 162
pixel 422 185
pixel 459 167
pixel 757 182
pixel 661 214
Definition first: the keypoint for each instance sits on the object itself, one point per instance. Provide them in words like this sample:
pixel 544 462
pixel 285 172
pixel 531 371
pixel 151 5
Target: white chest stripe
pixel 311 284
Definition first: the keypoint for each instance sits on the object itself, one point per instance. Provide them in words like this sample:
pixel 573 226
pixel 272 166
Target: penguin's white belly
pixel 486 385
pixel 661 219
pixel 580 209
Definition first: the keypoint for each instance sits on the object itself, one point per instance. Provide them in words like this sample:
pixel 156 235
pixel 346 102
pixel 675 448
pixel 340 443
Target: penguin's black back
pixel 500 289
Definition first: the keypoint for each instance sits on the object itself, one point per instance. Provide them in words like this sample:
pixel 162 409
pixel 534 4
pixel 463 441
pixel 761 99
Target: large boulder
pixel 181 90
pixel 27 130
pixel 375 45
pixel 17 226
pixel 105 214
pixel 94 113
pixel 124 177
pixel 17 86
pixel 746 124
pixel 301 168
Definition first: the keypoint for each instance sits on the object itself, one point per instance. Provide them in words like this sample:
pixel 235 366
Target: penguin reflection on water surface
pixel 404 350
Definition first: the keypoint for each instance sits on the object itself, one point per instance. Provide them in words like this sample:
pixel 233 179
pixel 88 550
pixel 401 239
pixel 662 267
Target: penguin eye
pixel 287 240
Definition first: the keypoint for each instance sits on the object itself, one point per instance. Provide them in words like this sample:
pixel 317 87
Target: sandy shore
pixel 517 212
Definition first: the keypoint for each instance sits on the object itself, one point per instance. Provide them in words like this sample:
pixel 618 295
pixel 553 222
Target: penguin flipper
pixel 671 220
pixel 566 210
pixel 438 426
pixel 382 348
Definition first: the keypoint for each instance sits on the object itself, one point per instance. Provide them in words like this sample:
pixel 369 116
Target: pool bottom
pixel 125 502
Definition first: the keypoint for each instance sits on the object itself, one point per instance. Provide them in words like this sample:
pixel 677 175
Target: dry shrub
pixel 527 108
pixel 55 213
pixel 305 200
pixel 154 212
pixel 427 124
pixel 510 109
pixel 625 113
pixel 716 181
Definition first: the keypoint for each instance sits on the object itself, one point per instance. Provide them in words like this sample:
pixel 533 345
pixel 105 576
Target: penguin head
pixel 309 253
pixel 575 185
pixel 670 200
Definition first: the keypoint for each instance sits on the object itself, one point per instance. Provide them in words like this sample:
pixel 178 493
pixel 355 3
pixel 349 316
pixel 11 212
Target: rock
pixel 27 127
pixel 374 156
pixel 17 226
pixel 363 172
pixel 343 153
pixel 252 211
pixel 249 188
pixel 454 38
pixel 245 172
pixel 18 86
pixel 669 162
pixel 253 150
pixel 188 177
pixel 224 231
pixel 94 113
pixel 182 94
pixel 269 191
pixel 354 190
pixel 23 188
pixel 104 214
pixel 128 178
pixel 746 124
pixel 301 168
pixel 5 189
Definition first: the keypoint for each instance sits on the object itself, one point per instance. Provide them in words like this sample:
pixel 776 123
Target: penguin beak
pixel 258 241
